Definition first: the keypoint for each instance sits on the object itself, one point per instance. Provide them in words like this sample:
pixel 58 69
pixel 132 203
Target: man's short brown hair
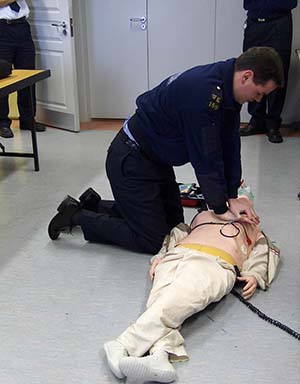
pixel 265 63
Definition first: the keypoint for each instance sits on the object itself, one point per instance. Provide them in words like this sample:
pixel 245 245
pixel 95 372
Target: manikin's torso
pixel 239 247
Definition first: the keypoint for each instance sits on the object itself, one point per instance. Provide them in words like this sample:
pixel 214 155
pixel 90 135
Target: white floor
pixel 60 301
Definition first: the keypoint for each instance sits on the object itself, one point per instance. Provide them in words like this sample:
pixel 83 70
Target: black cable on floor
pixel 263 316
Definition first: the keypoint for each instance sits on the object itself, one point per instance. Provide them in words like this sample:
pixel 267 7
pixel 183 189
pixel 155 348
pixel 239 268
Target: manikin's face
pixel 246 90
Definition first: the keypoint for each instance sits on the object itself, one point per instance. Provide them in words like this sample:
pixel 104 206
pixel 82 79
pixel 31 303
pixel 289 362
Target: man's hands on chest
pixel 239 212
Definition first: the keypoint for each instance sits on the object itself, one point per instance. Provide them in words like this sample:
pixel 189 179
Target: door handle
pixel 62 25
pixel 142 20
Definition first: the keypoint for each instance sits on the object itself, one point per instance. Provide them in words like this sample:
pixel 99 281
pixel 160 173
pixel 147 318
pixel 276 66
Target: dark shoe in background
pixel 89 200
pixel 40 127
pixel 255 126
pixel 274 136
pixel 273 131
pixel 26 126
pixel 6 132
pixel 62 221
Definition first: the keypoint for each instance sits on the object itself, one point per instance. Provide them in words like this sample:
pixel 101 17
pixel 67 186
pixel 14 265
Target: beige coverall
pixel 185 282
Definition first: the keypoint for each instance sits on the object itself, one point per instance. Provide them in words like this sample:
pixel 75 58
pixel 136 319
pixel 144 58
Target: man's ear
pixel 248 74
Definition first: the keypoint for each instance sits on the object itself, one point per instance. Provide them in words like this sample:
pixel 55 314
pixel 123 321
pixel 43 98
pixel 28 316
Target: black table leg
pixel 33 135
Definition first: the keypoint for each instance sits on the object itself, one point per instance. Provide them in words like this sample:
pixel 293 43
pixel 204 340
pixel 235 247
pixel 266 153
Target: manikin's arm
pixel 153 267
pixel 255 268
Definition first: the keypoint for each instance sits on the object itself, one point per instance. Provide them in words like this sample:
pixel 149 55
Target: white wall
pixel 291 111
pixel 80 22
pixel 228 33
pixel 229 26
pixel 180 36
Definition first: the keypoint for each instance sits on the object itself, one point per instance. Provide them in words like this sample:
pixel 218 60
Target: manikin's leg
pixel 185 283
pixel 155 367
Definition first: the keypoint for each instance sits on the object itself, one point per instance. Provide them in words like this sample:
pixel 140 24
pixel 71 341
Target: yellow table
pixel 19 79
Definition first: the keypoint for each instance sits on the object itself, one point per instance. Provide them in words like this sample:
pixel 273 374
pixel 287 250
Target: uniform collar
pixel 228 72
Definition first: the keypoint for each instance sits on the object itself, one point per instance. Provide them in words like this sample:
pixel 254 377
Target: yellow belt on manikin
pixel 210 250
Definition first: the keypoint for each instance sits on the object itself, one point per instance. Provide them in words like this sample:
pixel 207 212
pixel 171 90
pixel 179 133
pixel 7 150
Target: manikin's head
pixel 257 72
pixel 245 190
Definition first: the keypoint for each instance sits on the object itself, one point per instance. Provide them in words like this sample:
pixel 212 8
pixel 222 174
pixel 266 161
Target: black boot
pixel 6 132
pixel 274 136
pixel 62 221
pixel 273 131
pixel 89 200
pixel 25 125
pixel 254 127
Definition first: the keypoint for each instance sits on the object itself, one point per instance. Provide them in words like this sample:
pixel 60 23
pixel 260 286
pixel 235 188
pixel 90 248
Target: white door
pixel 117 43
pixel 181 36
pixel 57 98
pixel 229 34
pixel 229 29
pixel 127 57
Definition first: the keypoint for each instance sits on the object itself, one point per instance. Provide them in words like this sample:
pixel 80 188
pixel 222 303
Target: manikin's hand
pixel 242 212
pixel 153 267
pixel 250 287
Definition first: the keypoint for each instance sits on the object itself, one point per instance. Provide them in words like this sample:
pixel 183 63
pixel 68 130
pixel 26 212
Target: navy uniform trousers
pixel 147 201
pixel 276 33
pixel 17 47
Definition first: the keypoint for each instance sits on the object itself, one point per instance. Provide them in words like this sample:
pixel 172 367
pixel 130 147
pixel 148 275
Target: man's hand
pixel 227 216
pixel 242 212
pixel 153 267
pixel 250 287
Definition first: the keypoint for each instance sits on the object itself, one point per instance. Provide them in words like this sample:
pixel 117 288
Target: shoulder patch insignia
pixel 215 99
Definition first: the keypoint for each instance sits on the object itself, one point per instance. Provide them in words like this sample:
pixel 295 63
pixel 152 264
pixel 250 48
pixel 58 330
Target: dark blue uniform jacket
pixel 193 117
pixel 268 8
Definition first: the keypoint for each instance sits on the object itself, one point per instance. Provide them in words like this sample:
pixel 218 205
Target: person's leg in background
pixel 25 59
pixel 266 115
pixel 255 35
pixel 282 42
pixel 7 52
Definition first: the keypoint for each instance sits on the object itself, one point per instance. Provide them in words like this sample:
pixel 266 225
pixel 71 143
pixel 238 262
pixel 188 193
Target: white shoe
pixel 114 353
pixel 155 367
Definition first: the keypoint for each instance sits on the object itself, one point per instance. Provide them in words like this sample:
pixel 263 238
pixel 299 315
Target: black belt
pixel 133 144
pixel 143 145
pixel 127 140
pixel 267 19
pixel 13 21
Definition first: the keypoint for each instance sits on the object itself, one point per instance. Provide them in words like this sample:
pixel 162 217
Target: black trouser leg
pixel 146 196
pixel 282 44
pixel 109 207
pixel 25 59
pixel 17 47
pixel 277 34
pixel 7 52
